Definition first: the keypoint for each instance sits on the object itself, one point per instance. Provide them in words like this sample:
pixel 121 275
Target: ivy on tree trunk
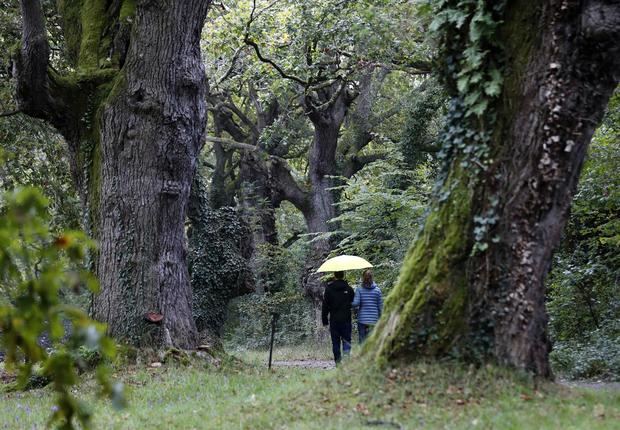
pixel 472 285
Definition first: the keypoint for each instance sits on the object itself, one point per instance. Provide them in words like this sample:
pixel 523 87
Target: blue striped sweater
pixel 369 303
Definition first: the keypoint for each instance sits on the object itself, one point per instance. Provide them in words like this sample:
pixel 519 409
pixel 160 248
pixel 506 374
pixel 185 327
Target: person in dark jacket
pixel 336 312
pixel 369 301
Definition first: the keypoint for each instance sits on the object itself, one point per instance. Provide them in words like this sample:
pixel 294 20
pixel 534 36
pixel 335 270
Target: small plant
pixel 35 266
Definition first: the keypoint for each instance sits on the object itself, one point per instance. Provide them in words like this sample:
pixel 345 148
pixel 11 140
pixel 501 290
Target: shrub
pixel 584 285
pixel 249 322
pixel 35 266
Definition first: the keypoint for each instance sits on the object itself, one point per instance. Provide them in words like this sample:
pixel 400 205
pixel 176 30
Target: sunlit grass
pixel 351 397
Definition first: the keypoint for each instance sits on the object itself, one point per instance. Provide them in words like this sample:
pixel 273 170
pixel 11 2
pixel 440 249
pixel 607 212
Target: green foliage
pixel 218 264
pixel 467 31
pixel 312 40
pixel 471 68
pixel 248 326
pixel 35 267
pixel 584 286
pixel 598 357
pixel 274 268
pixel 381 210
pixel 35 155
pixel 419 139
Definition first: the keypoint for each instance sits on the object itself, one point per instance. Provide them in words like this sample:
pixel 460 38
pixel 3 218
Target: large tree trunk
pixel 133 111
pixel 327 115
pixel 152 130
pixel 321 204
pixel 456 298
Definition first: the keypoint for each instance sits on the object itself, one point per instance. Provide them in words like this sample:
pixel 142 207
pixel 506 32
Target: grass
pixel 353 396
pixel 310 351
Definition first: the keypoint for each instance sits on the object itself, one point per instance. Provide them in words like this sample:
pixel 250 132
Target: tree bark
pixel 362 121
pixel 562 66
pixel 152 130
pixel 327 110
pixel 133 112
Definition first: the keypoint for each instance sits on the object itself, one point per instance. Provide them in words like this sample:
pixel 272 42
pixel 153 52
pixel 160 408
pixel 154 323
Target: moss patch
pixel 93 20
pixel 128 8
pixel 426 309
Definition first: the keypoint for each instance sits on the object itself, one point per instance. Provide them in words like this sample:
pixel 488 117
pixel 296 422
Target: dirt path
pixel 591 385
pixel 306 364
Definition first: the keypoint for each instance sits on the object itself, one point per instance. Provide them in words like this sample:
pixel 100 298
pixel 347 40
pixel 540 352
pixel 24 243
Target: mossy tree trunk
pixel 133 112
pixel 480 296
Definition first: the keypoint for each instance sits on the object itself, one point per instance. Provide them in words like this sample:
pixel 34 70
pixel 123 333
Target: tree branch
pixel 273 64
pixel 248 41
pixel 286 187
pixel 33 96
pixel 357 163
pixel 233 61
pixel 243 117
pixel 231 143
pixel 291 240
pixel 10 113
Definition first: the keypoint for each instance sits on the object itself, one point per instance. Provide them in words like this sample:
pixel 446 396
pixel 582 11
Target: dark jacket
pixel 337 301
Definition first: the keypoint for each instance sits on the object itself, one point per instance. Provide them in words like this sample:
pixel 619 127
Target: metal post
pixel 274 318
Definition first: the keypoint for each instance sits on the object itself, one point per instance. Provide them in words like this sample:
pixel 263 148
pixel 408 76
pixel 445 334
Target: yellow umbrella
pixel 344 262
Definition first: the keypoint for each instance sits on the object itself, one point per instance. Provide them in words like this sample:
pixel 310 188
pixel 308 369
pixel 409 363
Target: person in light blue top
pixel 369 303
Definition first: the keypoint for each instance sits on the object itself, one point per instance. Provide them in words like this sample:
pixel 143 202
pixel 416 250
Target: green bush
pixel 249 321
pixel 381 211
pixel 597 358
pixel 35 266
pixel 584 285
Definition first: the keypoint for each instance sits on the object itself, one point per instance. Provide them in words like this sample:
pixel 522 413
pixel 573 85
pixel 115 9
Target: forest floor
pixel 352 396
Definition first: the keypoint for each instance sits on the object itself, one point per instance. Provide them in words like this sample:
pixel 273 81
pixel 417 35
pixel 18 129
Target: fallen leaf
pixel 599 411
pixel 361 408
pixel 525 397
pixel 460 402
pixel 452 390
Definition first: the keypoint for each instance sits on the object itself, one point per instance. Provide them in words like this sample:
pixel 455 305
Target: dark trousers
pixel 341 333
pixel 363 330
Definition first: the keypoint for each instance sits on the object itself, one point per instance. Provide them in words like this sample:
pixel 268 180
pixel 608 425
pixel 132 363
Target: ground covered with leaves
pixel 246 395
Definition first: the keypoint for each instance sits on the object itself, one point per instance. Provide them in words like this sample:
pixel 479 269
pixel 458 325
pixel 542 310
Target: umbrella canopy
pixel 344 262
